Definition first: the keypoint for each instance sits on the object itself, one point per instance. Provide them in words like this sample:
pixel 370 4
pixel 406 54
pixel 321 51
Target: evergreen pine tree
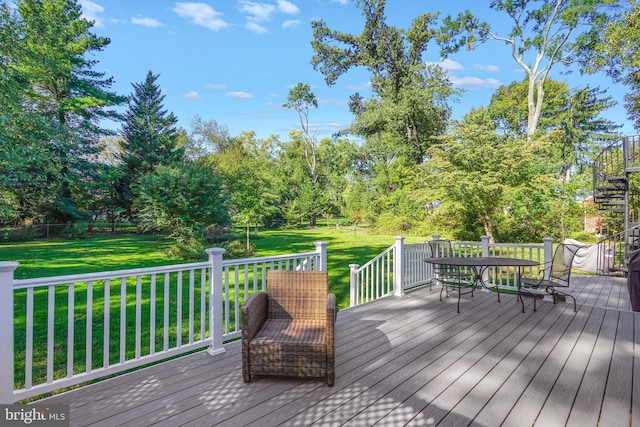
pixel 150 138
pixel 57 100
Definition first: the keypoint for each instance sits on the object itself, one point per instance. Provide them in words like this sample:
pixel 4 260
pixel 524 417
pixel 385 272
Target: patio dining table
pixel 479 265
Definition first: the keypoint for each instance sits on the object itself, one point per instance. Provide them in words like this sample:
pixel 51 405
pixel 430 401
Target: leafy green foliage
pixel 479 175
pixel 410 100
pixel 571 120
pixel 618 53
pixel 184 202
pixel 51 105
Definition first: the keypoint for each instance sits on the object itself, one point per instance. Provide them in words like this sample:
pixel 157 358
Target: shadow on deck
pixel 413 360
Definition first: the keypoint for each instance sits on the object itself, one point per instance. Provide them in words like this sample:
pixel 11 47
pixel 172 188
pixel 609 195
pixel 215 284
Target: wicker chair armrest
pixel 331 308
pixel 330 338
pixel 254 314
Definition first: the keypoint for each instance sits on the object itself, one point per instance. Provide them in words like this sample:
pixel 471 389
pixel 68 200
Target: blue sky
pixel 234 61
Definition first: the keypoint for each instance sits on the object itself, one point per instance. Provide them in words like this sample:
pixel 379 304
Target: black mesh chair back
pixel 559 276
pixel 441 248
pixel 561 264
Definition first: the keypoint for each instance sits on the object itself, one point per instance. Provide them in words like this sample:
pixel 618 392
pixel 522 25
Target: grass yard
pixel 45 258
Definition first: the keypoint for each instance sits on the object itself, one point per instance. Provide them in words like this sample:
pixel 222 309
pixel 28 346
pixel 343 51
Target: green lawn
pixel 45 258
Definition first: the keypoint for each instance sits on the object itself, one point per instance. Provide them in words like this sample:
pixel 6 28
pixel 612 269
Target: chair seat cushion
pixel 289 347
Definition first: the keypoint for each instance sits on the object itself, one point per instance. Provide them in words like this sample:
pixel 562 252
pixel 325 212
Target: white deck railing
pixel 403 263
pixel 72 329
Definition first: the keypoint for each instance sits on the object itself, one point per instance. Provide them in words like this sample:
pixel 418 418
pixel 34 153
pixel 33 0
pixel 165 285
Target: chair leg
pixel 331 378
pixel 554 292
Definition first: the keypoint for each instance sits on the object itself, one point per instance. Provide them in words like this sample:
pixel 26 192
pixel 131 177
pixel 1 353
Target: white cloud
pixel 240 95
pixel 257 11
pixel 447 64
pixel 215 86
pixel 201 14
pixel 287 7
pixel 474 81
pixel 90 11
pixel 323 101
pixel 342 2
pixel 488 67
pixel 291 23
pixel 255 27
pixel 192 95
pixel 146 22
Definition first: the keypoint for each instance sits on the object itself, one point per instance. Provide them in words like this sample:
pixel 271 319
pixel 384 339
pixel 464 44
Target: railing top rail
pixel 618 235
pixel 241 261
pixel 379 256
pixel 117 274
pixel 517 245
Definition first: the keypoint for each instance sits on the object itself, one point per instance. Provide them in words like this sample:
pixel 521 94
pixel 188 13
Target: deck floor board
pixel 412 360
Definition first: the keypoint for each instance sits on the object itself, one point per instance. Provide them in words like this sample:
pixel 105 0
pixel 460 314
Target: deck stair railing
pixel 77 328
pixel 401 266
pixel 616 189
pixel 613 188
pixel 614 251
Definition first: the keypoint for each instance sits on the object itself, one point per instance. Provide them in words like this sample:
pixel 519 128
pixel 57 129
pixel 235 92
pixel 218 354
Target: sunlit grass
pixel 96 254
pixel 45 258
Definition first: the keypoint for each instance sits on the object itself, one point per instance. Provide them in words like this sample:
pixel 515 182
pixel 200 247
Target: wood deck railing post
pixel 321 248
pixel 6 332
pixel 215 301
pixel 398 267
pixel 548 256
pixel 353 285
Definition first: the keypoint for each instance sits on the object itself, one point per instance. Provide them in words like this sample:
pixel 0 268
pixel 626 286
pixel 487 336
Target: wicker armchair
pixel 289 330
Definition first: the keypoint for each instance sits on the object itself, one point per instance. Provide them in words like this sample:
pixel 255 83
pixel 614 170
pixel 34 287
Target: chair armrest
pixel 331 308
pixel 330 337
pixel 254 314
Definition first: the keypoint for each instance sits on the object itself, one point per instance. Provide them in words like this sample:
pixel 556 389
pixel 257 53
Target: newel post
pixel 353 285
pixel 321 249
pixel 398 267
pixel 6 331
pixel 548 256
pixel 215 301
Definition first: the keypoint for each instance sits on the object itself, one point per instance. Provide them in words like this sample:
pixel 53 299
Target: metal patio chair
pixel 449 277
pixel 289 330
pixel 559 276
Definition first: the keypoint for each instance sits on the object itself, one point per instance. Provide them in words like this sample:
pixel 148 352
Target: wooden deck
pixel 413 360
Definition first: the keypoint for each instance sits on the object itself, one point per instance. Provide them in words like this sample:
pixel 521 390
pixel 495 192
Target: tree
pixel 300 99
pixel 150 137
pixel 245 165
pixel 571 120
pixel 185 201
pixel 63 100
pixel 618 53
pixel 543 33
pixel 408 96
pixel 478 174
